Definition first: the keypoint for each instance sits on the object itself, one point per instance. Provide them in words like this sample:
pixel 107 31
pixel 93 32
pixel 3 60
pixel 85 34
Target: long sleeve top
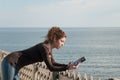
pixel 38 53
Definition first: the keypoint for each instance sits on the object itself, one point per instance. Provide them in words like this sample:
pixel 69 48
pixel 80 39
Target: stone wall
pixel 39 71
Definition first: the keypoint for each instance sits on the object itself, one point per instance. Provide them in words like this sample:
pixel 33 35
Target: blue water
pixel 100 46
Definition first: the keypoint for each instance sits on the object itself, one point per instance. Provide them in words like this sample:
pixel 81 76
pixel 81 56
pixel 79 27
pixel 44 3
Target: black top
pixel 38 53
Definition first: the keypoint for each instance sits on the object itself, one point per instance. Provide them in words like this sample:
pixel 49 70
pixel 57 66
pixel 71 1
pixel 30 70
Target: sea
pixel 99 45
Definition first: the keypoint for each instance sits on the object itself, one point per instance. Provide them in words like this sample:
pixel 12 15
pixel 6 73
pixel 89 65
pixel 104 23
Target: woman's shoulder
pixel 47 47
pixel 44 45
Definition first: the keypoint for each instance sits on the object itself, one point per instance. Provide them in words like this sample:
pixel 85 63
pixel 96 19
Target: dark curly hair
pixel 55 32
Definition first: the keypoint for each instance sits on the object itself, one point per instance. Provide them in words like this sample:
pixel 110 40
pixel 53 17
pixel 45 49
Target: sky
pixel 63 13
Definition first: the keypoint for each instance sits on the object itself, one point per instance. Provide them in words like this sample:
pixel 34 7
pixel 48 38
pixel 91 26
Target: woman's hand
pixel 71 66
pixel 78 65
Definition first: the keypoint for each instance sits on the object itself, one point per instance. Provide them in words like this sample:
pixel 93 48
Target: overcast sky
pixel 64 13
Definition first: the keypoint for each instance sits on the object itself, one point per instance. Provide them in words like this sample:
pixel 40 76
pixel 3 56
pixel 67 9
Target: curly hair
pixel 55 33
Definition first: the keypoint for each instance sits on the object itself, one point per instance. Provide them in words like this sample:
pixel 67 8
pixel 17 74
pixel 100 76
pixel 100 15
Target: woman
pixel 13 62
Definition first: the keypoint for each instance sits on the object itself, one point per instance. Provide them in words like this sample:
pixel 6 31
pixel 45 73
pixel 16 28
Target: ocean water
pixel 100 46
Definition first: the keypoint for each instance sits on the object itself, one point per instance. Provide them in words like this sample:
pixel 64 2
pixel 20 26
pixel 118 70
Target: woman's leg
pixel 8 71
pixel 16 77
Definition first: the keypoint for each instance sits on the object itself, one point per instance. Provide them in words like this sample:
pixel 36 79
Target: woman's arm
pixel 48 61
pixel 55 63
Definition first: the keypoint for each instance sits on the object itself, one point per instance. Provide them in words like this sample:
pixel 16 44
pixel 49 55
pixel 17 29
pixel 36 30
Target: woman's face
pixel 59 43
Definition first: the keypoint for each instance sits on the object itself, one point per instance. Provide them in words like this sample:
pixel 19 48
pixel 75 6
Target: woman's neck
pixel 49 44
